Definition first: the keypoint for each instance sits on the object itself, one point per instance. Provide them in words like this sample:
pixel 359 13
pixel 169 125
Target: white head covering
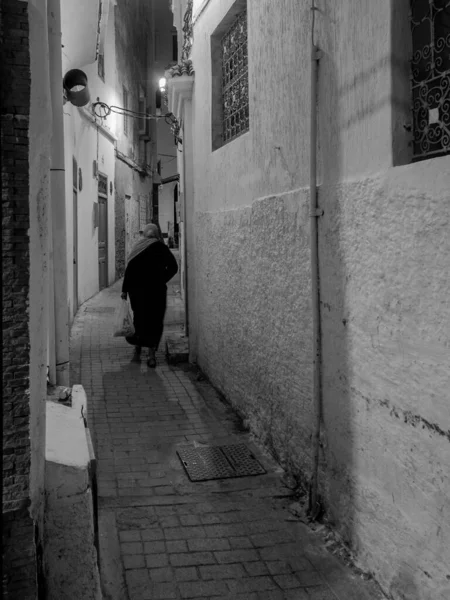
pixel 150 235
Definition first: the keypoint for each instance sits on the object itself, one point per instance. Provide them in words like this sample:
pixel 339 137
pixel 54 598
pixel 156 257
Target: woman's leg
pixel 151 360
pixel 137 354
pixel 151 320
pixel 159 311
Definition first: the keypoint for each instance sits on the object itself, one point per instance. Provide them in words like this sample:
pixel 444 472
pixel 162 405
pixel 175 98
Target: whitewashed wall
pixel 39 165
pixel 166 147
pixel 384 291
pixel 86 143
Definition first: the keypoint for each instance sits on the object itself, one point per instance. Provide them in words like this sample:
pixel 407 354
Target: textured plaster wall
pixel 254 332
pixel 385 250
pixel 384 255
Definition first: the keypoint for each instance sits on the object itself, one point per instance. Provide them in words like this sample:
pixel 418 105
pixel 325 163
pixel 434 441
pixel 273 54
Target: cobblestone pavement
pixel 162 536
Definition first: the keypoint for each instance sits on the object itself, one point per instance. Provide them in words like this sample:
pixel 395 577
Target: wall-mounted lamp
pixel 162 85
pixel 75 85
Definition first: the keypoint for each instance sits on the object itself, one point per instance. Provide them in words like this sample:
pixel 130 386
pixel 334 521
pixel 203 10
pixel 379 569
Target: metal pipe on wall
pixel 315 290
pixel 58 197
pixel 51 351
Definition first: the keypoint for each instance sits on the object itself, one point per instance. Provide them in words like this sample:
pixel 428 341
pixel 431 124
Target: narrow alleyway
pixel 162 536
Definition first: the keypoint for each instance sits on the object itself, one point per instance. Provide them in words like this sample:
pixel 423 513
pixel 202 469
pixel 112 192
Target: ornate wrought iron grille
pixel 430 74
pixel 235 80
pixel 102 185
pixel 187 32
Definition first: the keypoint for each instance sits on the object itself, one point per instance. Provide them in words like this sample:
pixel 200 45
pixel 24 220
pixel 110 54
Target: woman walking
pixel 150 266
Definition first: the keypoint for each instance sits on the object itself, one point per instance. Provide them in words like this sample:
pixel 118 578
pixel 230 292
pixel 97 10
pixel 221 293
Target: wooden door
pixel 75 236
pixel 102 231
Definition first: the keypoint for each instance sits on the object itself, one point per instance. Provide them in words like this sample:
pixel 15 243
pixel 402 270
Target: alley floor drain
pixel 219 462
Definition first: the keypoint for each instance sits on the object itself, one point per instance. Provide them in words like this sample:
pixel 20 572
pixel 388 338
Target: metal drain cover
pixel 219 462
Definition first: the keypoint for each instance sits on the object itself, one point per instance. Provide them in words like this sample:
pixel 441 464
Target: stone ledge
pixel 177 348
pixel 70 553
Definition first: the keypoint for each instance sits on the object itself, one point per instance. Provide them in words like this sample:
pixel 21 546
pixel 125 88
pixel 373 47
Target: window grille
pixel 101 66
pixel 142 110
pixel 235 104
pixel 102 185
pixel 187 31
pixel 430 75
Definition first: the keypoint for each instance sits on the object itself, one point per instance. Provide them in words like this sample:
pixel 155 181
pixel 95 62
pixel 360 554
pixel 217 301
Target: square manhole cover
pixel 219 462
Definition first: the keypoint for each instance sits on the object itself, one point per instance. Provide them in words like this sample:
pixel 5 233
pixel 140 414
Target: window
pixel 142 111
pixel 230 101
pixel 125 105
pixel 142 153
pixel 174 46
pixel 430 77
pixel 235 80
pixel 101 66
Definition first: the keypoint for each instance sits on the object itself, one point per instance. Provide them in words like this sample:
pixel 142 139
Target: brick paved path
pixel 162 536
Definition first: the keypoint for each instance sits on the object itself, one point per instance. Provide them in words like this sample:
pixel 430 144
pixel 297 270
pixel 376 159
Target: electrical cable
pixel 103 110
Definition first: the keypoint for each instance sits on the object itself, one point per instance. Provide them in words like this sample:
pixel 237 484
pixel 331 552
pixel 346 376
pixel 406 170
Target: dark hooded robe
pixel 145 282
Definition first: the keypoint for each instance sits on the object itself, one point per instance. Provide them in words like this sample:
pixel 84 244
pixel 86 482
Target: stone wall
pixel 19 555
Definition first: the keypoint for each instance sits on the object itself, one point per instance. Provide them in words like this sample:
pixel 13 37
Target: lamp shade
pixel 75 83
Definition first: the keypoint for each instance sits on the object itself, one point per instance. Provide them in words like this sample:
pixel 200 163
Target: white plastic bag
pixel 123 320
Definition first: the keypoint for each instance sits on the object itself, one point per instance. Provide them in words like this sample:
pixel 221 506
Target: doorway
pixel 102 231
pixel 75 236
